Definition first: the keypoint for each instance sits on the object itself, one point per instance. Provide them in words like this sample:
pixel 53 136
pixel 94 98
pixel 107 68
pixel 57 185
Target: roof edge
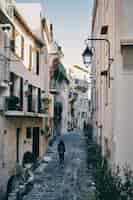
pixel 95 6
pixel 26 26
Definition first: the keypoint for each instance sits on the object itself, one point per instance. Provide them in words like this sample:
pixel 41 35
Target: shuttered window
pixel 127 51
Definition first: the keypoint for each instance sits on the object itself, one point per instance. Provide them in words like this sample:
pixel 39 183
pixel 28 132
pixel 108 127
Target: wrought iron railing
pixel 10 103
pixel 14 103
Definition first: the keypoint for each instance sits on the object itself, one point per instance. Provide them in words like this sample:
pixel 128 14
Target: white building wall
pixel 124 97
pixel 116 117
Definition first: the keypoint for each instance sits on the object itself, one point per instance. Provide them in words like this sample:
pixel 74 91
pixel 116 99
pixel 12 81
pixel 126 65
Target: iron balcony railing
pixel 10 103
pixel 37 105
pixel 14 103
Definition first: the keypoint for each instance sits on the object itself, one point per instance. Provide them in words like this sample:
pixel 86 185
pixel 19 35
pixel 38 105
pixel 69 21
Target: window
pixel 37 62
pixel 22 47
pixel 12 80
pixel 18 43
pixel 76 81
pixel 30 58
pixel 21 92
pixel 106 148
pixel 39 100
pixel 127 51
pixel 84 115
pixel 12 45
pixel 104 30
pixel 28 133
pixel 34 60
pixel 30 98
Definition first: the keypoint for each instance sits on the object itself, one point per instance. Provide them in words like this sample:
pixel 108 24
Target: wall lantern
pixel 87 56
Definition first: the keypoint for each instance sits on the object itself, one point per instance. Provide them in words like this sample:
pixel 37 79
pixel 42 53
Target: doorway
pixel 36 142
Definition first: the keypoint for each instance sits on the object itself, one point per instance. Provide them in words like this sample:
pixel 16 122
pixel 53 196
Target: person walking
pixel 61 150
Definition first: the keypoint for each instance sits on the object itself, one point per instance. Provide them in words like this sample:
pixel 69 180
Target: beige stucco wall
pixel 8 143
pixel 9 125
pixel 116 117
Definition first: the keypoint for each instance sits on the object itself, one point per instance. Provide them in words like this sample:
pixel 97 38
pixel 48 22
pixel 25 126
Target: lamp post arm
pixel 109 51
pixel 108 43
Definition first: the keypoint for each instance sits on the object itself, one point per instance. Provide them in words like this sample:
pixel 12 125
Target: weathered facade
pixel 112 86
pixel 24 89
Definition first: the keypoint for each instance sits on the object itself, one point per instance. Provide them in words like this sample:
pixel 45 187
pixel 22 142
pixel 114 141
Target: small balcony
pixel 45 105
pixel 81 85
pixel 38 106
pixel 13 103
pixel 12 106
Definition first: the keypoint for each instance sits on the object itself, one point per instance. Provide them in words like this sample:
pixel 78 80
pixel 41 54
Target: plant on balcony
pixel 46 100
pixel 46 132
pixel 58 77
pixel 13 103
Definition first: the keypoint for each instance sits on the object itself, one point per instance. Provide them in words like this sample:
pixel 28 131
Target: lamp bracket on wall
pixel 104 73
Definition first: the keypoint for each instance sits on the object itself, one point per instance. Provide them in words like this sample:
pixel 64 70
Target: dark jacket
pixel 61 147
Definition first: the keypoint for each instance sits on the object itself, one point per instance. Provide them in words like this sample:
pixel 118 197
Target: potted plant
pixel 46 131
pixel 46 100
pixel 12 102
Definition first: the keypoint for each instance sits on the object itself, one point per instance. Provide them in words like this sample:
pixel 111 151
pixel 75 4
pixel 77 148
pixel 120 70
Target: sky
pixel 72 24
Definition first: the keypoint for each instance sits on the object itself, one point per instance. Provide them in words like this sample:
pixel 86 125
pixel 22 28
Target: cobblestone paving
pixel 68 183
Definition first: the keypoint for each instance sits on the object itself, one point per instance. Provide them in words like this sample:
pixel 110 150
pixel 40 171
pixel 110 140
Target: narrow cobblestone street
pixel 69 183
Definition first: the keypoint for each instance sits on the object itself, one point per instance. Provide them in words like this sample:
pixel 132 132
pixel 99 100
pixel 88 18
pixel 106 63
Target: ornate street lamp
pixel 87 56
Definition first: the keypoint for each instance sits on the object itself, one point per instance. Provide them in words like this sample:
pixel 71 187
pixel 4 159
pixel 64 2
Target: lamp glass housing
pixel 87 56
